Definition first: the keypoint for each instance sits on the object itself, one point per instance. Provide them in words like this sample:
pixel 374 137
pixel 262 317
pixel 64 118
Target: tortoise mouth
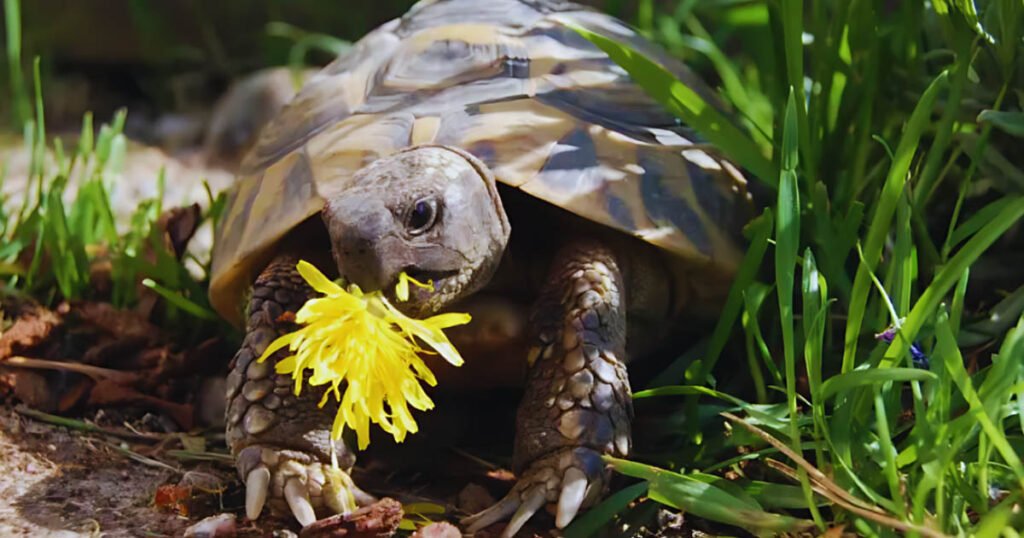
pixel 425 276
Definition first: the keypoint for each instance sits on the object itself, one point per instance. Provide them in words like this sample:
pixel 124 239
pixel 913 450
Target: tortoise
pixel 488 147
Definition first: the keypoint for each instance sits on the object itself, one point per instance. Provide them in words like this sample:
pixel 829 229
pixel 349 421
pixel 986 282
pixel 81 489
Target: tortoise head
pixel 430 211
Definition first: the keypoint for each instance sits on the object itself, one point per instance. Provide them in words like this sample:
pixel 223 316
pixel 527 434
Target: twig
pixel 882 519
pixel 94 372
pixel 812 471
pixel 142 459
pixel 189 455
pixel 476 459
pixel 825 487
pixel 83 426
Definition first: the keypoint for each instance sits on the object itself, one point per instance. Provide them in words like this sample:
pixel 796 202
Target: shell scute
pixel 510 82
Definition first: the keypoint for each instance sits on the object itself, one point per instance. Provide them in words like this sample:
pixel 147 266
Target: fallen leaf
pixel 179 225
pixel 172 497
pixel 33 326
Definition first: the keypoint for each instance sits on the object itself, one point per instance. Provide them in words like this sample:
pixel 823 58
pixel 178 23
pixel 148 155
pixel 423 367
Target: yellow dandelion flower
pixel 362 340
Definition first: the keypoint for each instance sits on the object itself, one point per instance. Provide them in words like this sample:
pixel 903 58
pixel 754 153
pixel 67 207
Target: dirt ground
pixel 61 482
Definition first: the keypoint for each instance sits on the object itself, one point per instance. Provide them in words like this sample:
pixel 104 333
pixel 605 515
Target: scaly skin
pixel 277 438
pixel 577 404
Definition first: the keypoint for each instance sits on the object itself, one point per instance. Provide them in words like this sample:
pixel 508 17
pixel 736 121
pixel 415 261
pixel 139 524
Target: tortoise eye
pixel 422 216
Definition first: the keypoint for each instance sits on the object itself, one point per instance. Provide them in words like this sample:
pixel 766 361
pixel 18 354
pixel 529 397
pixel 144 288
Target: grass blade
pixel 705 500
pixel 929 301
pixel 880 223
pixel 685 104
pixel 595 518
pixel 874 376
pixel 948 352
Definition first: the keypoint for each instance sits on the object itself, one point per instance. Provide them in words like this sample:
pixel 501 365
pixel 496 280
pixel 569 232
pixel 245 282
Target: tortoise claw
pixel 572 477
pixel 257 484
pixel 574 490
pixel 297 496
pixel 503 509
pixel 534 499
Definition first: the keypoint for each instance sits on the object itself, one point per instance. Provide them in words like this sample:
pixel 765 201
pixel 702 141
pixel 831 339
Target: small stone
pixel 474 498
pixel 441 529
pixel 218 526
pixel 257 420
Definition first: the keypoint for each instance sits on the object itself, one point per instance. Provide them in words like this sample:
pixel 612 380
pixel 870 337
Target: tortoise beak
pixel 365 243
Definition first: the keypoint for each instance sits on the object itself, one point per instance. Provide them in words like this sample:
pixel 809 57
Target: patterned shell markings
pixel 508 81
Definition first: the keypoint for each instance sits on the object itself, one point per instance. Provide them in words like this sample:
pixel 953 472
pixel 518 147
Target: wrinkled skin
pixel 435 213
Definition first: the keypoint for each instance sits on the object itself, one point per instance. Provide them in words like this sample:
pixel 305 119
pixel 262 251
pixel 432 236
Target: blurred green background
pixel 176 55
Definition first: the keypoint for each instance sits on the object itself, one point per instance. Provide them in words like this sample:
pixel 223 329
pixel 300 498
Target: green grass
pixel 51 243
pixel 887 135
pixel 874 124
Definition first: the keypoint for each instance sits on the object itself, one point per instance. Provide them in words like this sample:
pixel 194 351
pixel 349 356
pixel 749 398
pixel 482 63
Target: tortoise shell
pixel 512 83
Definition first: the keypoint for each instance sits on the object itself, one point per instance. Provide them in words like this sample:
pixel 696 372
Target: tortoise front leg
pixel 577 404
pixel 281 442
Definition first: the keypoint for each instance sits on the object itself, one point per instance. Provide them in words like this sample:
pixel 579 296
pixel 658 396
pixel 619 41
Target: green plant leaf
pixel 1011 123
pixel 686 104
pixel 705 500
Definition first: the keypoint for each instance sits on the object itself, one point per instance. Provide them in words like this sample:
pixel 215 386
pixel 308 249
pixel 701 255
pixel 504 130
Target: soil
pixel 59 483
pixel 56 481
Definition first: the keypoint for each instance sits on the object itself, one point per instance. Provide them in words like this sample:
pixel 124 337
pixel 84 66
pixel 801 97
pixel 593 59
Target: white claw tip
pixel 534 500
pixel 574 489
pixel 256 485
pixel 298 500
